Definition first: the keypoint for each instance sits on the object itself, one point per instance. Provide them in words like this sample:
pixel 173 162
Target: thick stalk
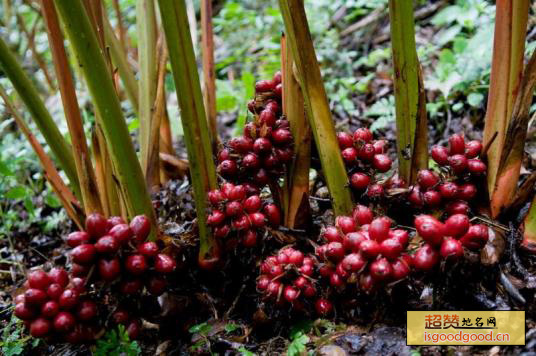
pixel 92 61
pixel 120 28
pixel 209 72
pixel 296 193
pixel 82 158
pixel 194 121
pixel 28 93
pixel 506 72
pixel 316 104
pixel 410 102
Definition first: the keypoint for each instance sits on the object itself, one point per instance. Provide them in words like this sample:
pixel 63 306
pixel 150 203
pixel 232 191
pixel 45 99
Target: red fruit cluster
pixel 288 278
pixel 264 149
pixel 446 239
pixel 461 157
pixel 54 306
pixel 364 250
pixel 364 157
pixel 236 212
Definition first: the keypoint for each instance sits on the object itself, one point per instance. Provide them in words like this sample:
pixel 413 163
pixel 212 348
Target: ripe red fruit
pixel 24 312
pixel 58 275
pixel 262 145
pixel 334 251
pixel 353 262
pixel 115 220
pixel 425 258
pixel 430 229
pixel 131 286
pixel 467 191
pixel 252 204
pixel 136 264
pixel 109 269
pixel 367 283
pixel 331 234
pixel 457 207
pixel 273 289
pixel 370 248
pixel 38 279
pixel 273 214
pixel 458 163
pixel 222 231
pixel 164 263
pixel 281 136
pixel 278 90
pixel 33 296
pixel 473 148
pixel 382 163
pixel 448 190
pixel 241 223
pixel 277 77
pixel 379 228
pixel 77 238
pixel 400 269
pixel 391 249
pixel 224 154
pixel 87 310
pixel 261 178
pixel 375 191
pixel 83 254
pixel 64 322
pixel 79 270
pixel 476 166
pixel 233 208
pixel 440 154
pixel 431 198
pixel 400 235
pixel 215 197
pixel 346 224
pixel 352 241
pixel 380 146
pixel 78 284
pixel 366 152
pixel 349 155
pixel 251 161
pixel 120 317
pixel 456 145
pixel 381 269
pixel 415 197
pixel 295 258
pixel 50 309
pixel 156 286
pixel 54 291
pixel 336 280
pixel 267 117
pixel 18 299
pixel 301 282
pixel 227 168
pixel 271 162
pixel 345 140
pixel 141 227
pixel 107 244
pixel 323 307
pixel 451 249
pixel 456 225
pixel 290 294
pixel 149 249
pixel 273 106
pixel 362 214
pixel 96 225
pixel 68 299
pixel 40 327
pixel 427 178
pixel 362 134
pixel 133 329
pixel 264 85
pixel 395 182
pixel 359 181
pixel 217 217
pixel 122 233
pixel 476 237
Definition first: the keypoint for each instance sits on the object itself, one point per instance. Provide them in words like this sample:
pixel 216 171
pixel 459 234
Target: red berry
pixel 149 249
pixel 122 233
pixel 133 330
pixel 335 251
pixel 83 254
pixel 107 245
pixel 79 270
pixel 96 225
pixel 457 225
pixel 323 307
pixel 120 317
pixel 381 269
pixel 136 264
pixel 141 227
pixel 109 269
pixel 381 162
pixel 448 190
pixel 18 299
pixel 223 155
pixel 262 145
pixel 233 208
pixel 271 162
pixel 467 191
pixel 345 140
pixel 273 288
pixel 400 269
pixel 273 106
pixel 24 312
pixel 379 228
pixel 33 296
pixel 217 217
pixel 440 155
pixel 456 144
pixel 281 136
pixel 425 258
pixel 366 152
pixel 349 155
pixel 476 237
pixel 367 283
pixel 58 275
pixel 380 146
pixel 157 286
pixel 359 181
pixel 252 204
pixel 415 197
pixel 38 279
pixel 227 168
pixel 353 262
pixel 363 134
pixel 400 235
pixel 54 291
pixel 427 178
pixel 164 263
pixel 130 287
pixel 290 294
pixel 50 309
pixel 431 198
pixel 267 117
pixel 115 220
pixel 370 248
pixel 264 86
pixel 77 238
pixel 362 214
pixel 451 249
pixel 261 178
pixel 473 149
pixel 68 299
pixel 273 214
pixel 457 207
pixel 87 310
pixel 352 241
pixel 391 249
pixel 64 322
pixel 241 223
pixel 78 284
pixel 278 90
pixel 222 231
pixel 215 197
pixel 295 258
pixel 336 280
pixel 277 77
pixel 40 327
pixel 430 229
pixel 331 234
pixel 458 163
pixel 375 191
pixel 251 161
pixel 476 166
pixel 346 224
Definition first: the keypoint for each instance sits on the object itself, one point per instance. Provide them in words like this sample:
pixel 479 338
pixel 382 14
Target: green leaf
pixel 475 99
pixel 203 328
pixel 244 352
pixel 229 328
pixel 297 346
pixel 18 192
pixel 4 170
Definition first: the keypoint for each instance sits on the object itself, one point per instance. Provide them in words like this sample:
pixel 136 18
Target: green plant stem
pixel 194 121
pixel 316 104
pixel 91 59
